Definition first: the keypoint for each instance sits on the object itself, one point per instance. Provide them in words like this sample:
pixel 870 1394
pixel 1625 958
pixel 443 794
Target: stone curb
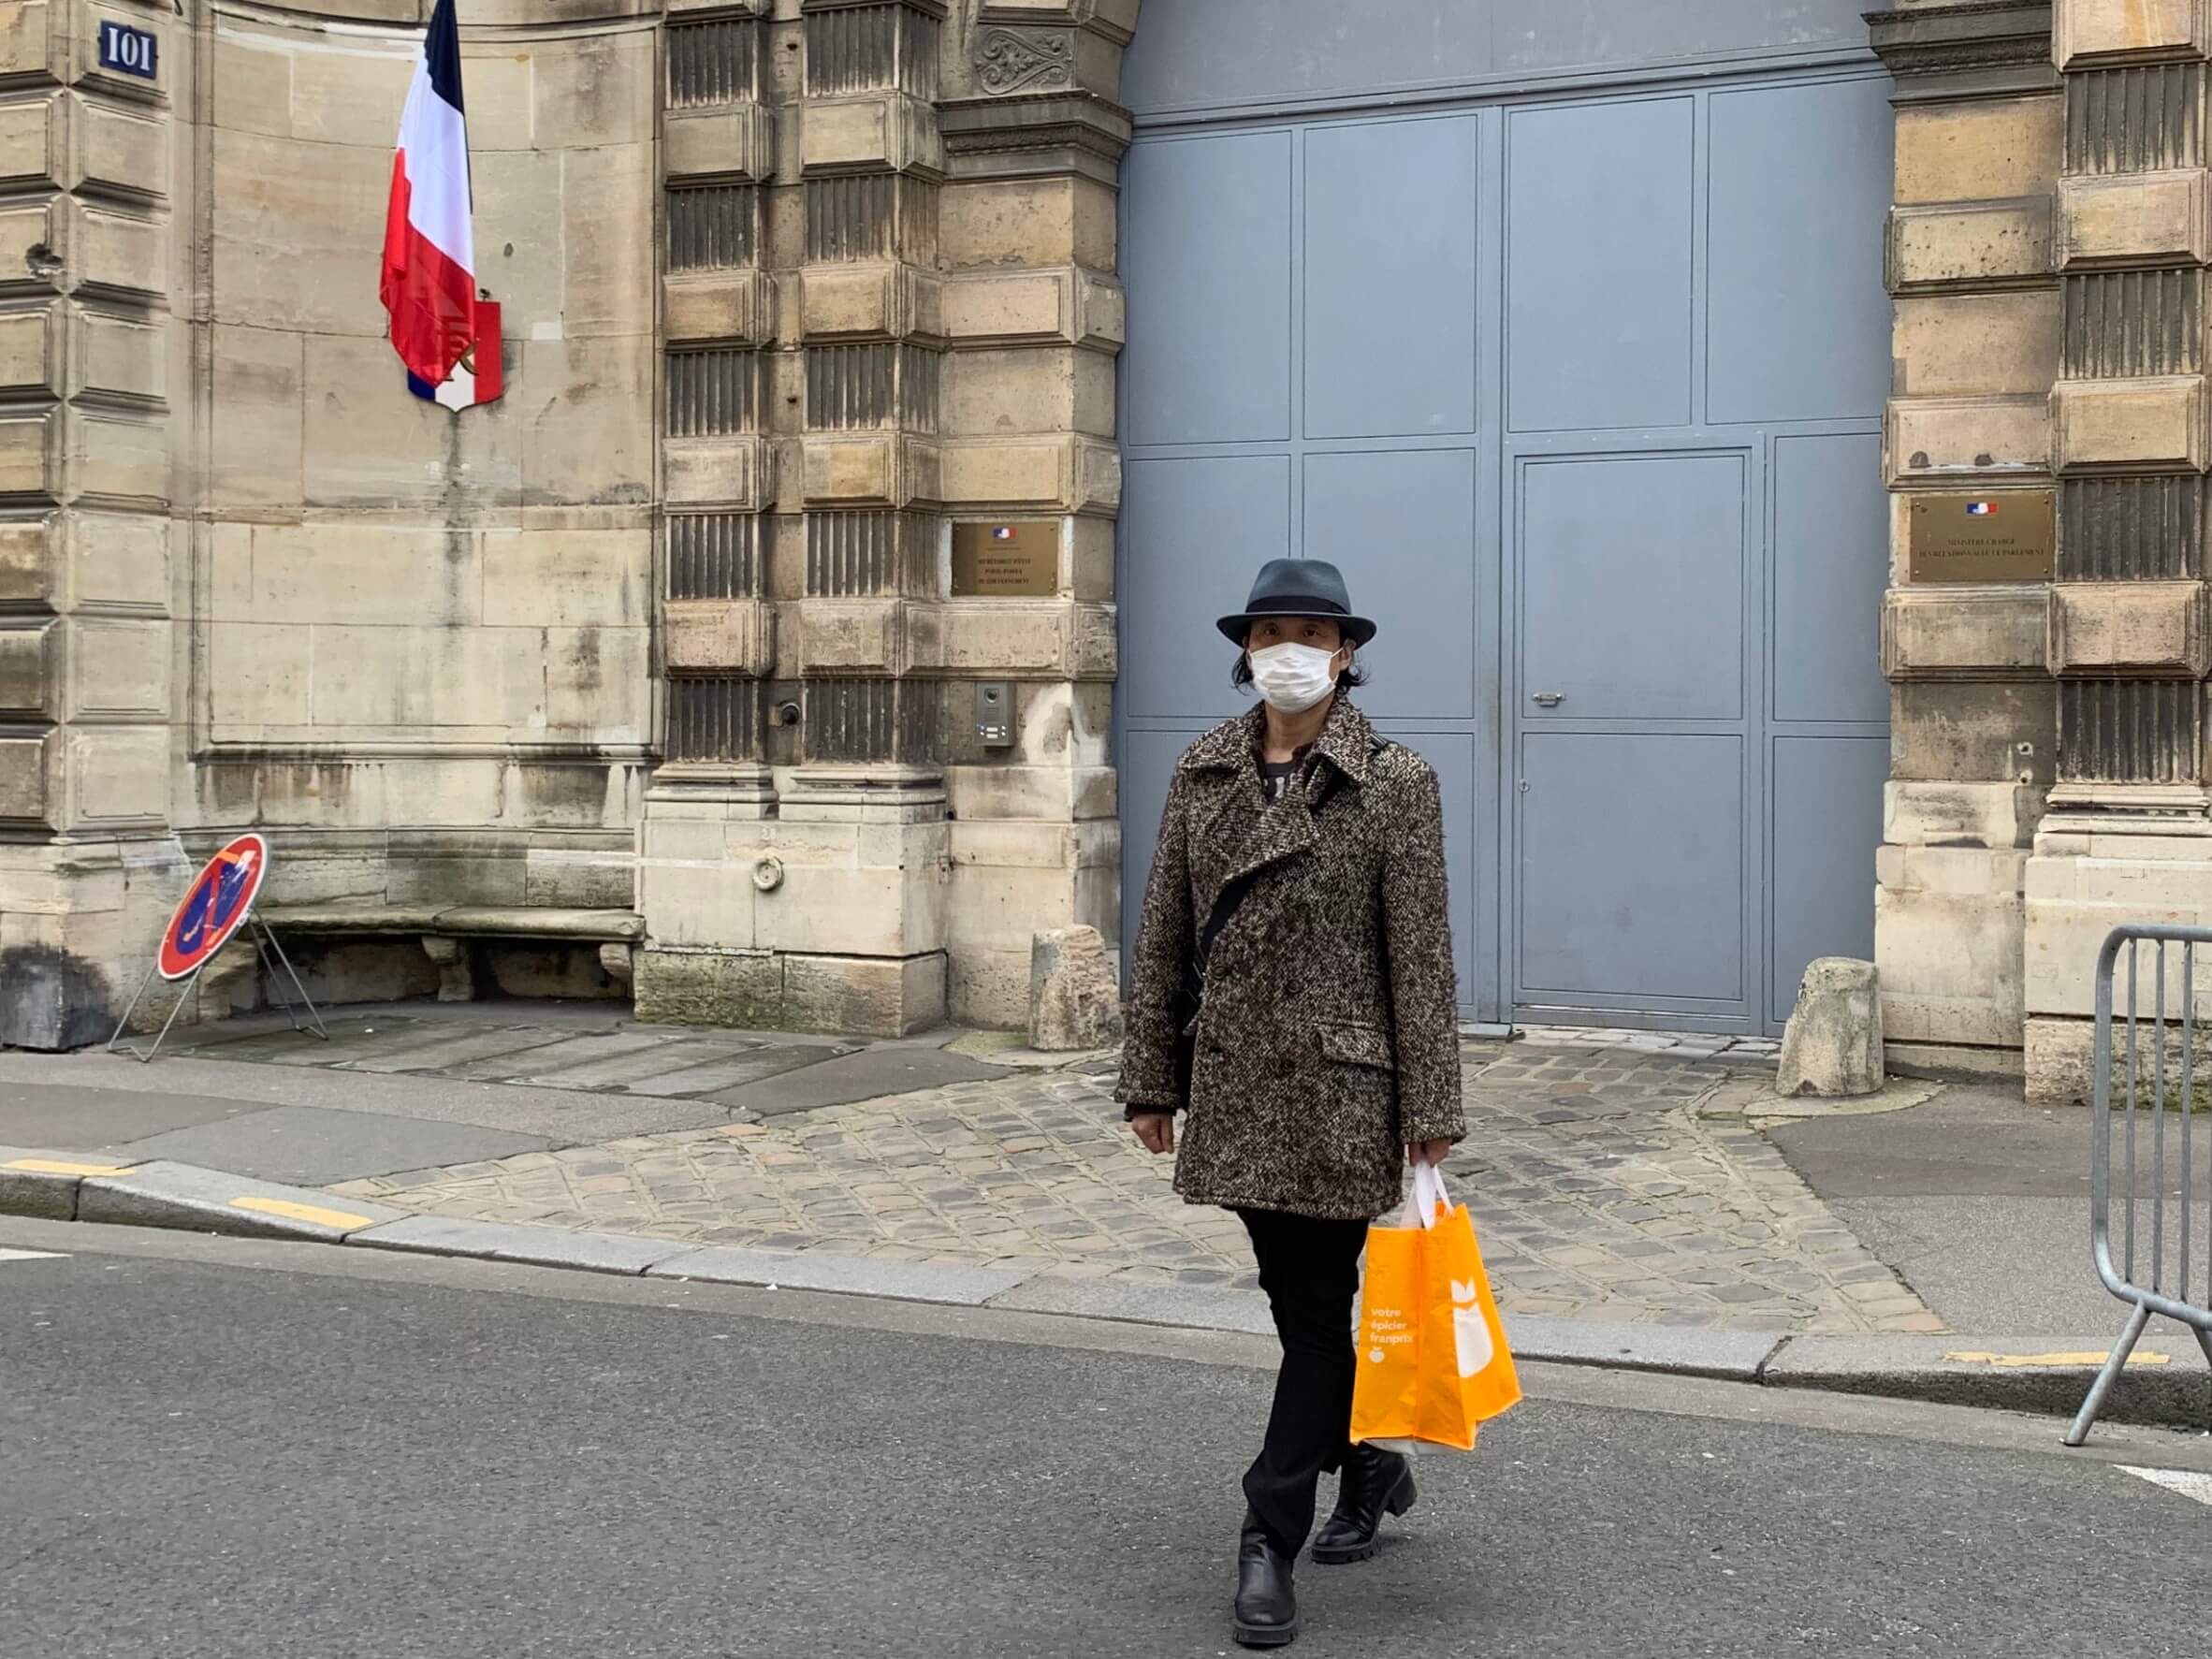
pixel 2166 1386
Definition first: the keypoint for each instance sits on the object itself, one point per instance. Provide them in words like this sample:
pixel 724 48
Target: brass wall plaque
pixel 2004 535
pixel 1019 561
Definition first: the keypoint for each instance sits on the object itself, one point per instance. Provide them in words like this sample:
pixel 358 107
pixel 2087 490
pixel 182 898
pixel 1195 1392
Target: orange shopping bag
pixel 1433 1364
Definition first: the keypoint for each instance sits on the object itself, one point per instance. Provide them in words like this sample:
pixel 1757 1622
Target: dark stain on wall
pixel 52 999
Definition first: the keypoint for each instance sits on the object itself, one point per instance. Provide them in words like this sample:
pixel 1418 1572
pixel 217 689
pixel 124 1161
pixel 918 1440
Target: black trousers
pixel 1310 1270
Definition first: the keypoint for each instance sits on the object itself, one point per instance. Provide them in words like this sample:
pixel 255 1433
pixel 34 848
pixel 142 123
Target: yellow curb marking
pixel 54 1166
pixel 292 1212
pixel 2019 1362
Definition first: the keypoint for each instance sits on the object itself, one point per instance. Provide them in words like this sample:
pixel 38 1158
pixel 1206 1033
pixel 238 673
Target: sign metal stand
pixel 217 906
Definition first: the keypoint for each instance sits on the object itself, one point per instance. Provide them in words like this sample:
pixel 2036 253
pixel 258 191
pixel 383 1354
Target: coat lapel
pixel 1250 835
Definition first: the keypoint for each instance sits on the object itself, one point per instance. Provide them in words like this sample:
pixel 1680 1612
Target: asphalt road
pixel 223 1447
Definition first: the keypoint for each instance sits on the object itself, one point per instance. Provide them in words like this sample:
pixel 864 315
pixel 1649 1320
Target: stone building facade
pixel 800 296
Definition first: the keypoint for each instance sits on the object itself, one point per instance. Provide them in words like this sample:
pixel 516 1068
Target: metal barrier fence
pixel 2157 1076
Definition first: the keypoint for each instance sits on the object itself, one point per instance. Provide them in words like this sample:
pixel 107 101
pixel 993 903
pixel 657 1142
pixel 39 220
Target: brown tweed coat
pixel 1329 1036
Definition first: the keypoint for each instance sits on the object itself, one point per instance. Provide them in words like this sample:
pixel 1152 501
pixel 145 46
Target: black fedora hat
pixel 1299 588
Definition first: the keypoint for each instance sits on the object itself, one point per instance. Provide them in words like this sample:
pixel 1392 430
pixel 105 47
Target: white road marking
pixel 2185 1482
pixel 30 1255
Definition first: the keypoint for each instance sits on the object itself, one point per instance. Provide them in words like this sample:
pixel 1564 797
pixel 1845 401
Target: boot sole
pixel 1266 1635
pixel 1402 1498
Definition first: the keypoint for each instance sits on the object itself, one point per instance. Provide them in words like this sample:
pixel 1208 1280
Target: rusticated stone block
pixel 1937 633
pixel 1942 730
pixel 889 130
pixel 1950 346
pixel 852 635
pixel 1976 246
pixel 1988 150
pixel 738 472
pixel 114 251
pixel 737 305
pixel 742 989
pixel 26 39
pixel 29 567
pixel 886 996
pixel 888 471
pixel 1999 817
pixel 2088 31
pixel 1065 475
pixel 2148 425
pixel 125 152
pixel 30 351
pixel 2139 627
pixel 119 669
pixel 738 634
pixel 870 301
pixel 31 453
pixel 2137 219
pixel 23 765
pixel 736 143
pixel 1932 439
pixel 123 358
pixel 31 143
pixel 30 662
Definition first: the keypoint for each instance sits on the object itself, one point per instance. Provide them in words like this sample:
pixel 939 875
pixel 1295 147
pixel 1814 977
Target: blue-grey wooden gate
pixel 1585 393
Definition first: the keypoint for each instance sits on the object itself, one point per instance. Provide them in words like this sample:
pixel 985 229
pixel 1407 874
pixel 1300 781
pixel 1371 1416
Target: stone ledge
pixel 500 921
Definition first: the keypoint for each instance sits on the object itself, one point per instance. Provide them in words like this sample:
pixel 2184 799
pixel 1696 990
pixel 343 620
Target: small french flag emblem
pixel 1980 509
pixel 1002 532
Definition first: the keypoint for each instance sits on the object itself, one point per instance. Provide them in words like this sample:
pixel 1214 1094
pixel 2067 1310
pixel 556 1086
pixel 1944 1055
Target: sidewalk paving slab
pixel 84 1119
pixel 505 1241
pixel 316 1146
pixel 901 1281
pixel 181 1196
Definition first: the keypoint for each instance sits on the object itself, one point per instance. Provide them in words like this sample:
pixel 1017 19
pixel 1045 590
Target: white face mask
pixel 1293 678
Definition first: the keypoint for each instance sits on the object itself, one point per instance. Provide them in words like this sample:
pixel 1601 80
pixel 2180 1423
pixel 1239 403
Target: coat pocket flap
pixel 1358 1045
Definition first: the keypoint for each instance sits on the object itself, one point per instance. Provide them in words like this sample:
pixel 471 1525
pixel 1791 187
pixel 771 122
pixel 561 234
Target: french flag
pixel 430 259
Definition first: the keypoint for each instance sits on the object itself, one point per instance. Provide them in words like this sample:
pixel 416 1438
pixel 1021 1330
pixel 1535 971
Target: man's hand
pixel 1155 1130
pixel 1426 1152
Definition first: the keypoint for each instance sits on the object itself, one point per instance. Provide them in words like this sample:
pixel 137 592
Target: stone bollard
pixel 1074 1001
pixel 1832 1046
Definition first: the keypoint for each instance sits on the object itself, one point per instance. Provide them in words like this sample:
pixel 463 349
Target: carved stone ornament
pixel 1025 59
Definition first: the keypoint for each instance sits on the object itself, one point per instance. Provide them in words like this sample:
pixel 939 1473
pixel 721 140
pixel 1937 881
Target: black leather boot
pixel 1375 1483
pixel 1266 1613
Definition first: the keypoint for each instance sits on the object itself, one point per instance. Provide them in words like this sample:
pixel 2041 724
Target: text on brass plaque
pixel 1007 561
pixel 2007 535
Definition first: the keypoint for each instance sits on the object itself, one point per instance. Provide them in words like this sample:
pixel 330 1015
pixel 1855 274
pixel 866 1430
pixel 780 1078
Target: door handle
pixel 1546 699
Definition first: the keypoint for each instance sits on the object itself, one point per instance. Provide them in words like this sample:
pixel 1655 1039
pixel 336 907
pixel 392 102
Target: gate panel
pixel 1632 573
pixel 1826 794
pixel 1211 366
pixel 1389 342
pixel 1205 523
pixel 1632 883
pixel 1402 525
pixel 1796 292
pixel 1598 338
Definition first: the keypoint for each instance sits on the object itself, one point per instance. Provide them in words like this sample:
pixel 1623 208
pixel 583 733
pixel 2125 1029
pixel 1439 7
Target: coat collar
pixel 1345 742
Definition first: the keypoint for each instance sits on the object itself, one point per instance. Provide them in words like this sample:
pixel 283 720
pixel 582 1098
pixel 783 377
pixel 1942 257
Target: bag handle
pixel 1428 1192
pixel 1421 1202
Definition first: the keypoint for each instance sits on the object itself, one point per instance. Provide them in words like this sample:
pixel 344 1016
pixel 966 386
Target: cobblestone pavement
pixel 1600 1187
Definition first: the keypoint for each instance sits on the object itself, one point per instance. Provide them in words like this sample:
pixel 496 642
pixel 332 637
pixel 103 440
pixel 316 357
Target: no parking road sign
pixel 219 900
pixel 217 905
